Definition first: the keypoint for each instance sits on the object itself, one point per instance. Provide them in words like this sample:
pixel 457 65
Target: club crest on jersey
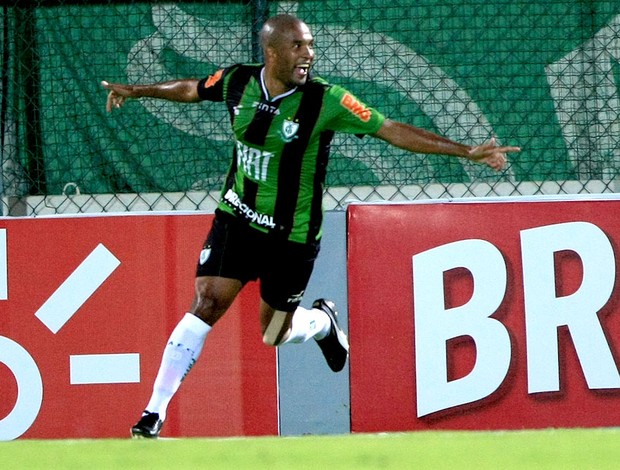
pixel 289 130
pixel 204 255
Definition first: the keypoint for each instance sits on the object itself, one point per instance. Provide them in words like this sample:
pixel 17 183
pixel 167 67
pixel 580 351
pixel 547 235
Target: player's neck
pixel 274 87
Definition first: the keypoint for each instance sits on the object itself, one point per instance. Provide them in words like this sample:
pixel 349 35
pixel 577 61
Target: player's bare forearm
pixel 418 140
pixel 182 91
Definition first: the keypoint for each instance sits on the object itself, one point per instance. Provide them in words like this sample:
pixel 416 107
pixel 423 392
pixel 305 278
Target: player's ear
pixel 270 52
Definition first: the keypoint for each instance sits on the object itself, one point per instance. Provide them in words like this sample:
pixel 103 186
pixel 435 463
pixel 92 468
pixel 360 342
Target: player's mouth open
pixel 302 70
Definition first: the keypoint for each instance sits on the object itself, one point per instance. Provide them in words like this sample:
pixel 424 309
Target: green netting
pixel 540 74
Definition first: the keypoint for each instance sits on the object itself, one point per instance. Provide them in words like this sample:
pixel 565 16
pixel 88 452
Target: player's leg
pixel 283 320
pixel 320 323
pixel 299 326
pixel 213 297
pixel 219 274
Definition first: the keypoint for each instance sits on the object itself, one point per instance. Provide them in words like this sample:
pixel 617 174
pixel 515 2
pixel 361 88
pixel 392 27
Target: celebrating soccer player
pixel 268 223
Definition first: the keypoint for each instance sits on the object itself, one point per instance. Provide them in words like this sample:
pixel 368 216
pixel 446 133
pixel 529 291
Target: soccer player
pixel 268 222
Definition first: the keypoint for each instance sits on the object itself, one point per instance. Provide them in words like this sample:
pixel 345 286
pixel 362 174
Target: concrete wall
pixel 312 398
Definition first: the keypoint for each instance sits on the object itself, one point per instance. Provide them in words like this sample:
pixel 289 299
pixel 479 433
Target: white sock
pixel 180 354
pixel 307 324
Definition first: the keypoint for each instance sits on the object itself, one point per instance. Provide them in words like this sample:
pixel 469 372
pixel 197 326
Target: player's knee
pixel 277 330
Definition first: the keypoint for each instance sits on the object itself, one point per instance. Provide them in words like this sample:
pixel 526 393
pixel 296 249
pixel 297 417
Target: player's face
pixel 293 56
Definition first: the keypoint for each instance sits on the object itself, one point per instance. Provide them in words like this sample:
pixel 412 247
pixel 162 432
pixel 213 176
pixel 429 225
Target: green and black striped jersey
pixel 278 169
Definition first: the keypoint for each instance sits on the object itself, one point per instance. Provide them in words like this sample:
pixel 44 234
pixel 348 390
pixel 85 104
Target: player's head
pixel 288 48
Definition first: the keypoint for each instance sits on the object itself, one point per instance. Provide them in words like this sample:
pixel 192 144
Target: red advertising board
pixel 484 315
pixel 87 304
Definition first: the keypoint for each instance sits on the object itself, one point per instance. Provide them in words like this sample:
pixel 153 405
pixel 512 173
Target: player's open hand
pixel 117 96
pixel 491 154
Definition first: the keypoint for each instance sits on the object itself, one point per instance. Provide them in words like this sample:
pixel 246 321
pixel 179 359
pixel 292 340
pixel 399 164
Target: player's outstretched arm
pixel 419 140
pixel 182 91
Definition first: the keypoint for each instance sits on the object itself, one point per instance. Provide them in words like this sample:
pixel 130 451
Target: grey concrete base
pixel 313 399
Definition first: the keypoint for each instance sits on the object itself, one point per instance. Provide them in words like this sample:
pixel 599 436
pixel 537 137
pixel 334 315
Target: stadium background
pixel 539 74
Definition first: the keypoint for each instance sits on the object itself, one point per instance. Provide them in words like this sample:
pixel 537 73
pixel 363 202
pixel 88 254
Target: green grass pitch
pixel 553 448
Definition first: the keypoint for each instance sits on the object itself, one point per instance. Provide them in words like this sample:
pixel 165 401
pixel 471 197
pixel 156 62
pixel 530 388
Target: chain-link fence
pixel 540 74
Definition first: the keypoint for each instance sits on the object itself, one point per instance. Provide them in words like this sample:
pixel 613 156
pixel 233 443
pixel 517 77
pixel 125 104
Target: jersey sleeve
pixel 348 114
pixel 211 88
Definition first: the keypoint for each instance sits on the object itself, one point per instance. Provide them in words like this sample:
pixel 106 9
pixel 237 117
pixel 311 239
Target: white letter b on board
pixel 435 324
